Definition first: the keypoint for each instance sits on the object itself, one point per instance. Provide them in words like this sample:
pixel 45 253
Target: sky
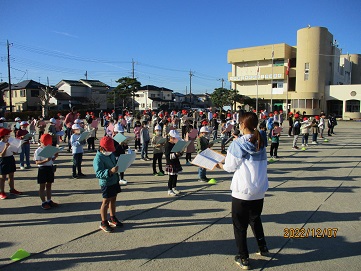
pixel 166 39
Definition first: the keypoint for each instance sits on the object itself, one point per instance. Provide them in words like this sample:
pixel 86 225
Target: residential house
pixel 24 96
pixel 84 93
pixel 152 97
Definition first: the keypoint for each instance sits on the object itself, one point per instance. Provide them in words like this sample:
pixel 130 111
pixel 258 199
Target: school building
pixel 312 76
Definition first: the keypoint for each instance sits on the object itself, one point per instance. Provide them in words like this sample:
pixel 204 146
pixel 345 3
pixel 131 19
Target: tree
pixel 48 92
pixel 221 97
pixel 126 89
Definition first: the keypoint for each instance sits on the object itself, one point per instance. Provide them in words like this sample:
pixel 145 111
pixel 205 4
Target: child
pixel 106 170
pixel 7 163
pixel 25 147
pixel 263 132
pixel 224 135
pixel 41 124
pixel 158 150
pixel 45 173
pixel 52 131
pixel 144 140
pixel 290 123
pixel 191 148
pixel 91 139
pixel 296 131
pixel 202 144
pixel 305 131
pixel 321 125
pixel 137 128
pixel 314 128
pixel 121 148
pixel 173 166
pixel 17 125
pixel 77 151
pixel 275 139
pixel 32 129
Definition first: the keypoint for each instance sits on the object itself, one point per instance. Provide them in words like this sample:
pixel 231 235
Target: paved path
pixel 315 189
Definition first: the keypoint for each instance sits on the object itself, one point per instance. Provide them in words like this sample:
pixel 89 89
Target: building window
pixel 15 94
pixel 22 92
pixel 143 105
pixel 152 95
pixel 278 62
pixel 302 103
pixel 352 106
pixel 309 103
pixel 141 95
pixel 277 84
pixel 307 70
pixel 34 93
pixel 294 103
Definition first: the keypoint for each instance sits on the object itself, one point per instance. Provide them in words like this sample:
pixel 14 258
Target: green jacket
pixel 102 165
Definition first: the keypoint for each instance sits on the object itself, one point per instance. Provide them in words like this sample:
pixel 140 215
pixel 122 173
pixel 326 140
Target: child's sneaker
pixel 176 191
pixel 45 206
pixel 188 164
pixel 160 173
pixel 156 174
pixel 115 222
pixel 3 196
pixel 171 193
pixel 22 168
pixel 52 203
pixel 105 227
pixel 15 192
pixel 123 182
pixel 243 263
pixel 263 251
pixel 81 175
pixel 302 145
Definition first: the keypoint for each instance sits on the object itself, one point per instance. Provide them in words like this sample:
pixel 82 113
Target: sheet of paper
pixel 278 130
pixel 215 141
pixel 119 138
pixel 180 146
pixel 208 159
pixel 110 127
pixel 125 160
pixel 28 136
pixel 49 151
pixel 83 136
pixel 15 142
pixel 94 124
pixel 161 140
pixel 229 128
pixel 193 133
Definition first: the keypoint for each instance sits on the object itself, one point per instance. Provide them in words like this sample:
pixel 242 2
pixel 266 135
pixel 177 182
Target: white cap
pixel 75 127
pixel 52 120
pixel 77 121
pixel 204 129
pixel 3 119
pixel 158 128
pixel 24 123
pixel 175 134
pixel 17 119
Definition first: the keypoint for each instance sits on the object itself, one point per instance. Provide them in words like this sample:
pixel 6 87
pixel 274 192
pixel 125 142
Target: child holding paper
pixel 7 163
pixel 77 151
pixel 190 136
pixel 106 170
pixel 25 147
pixel 137 128
pixel 173 166
pixel 275 140
pixel 45 173
pixel 158 150
pixel 202 144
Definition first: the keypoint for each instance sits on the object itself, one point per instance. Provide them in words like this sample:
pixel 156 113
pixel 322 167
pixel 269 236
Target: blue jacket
pixel 76 146
pixel 102 165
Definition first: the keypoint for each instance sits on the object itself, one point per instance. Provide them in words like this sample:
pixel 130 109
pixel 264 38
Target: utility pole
pixel 10 94
pixel 86 75
pixel 47 79
pixel 190 87
pixel 222 80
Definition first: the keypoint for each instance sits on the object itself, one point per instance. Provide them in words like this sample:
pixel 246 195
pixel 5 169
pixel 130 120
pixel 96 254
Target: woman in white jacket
pixel 247 158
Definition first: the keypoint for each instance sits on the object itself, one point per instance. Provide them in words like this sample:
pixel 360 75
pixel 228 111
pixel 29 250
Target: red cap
pixel 4 132
pixel 290 113
pixel 297 116
pixel 317 117
pixel 107 143
pixel 215 115
pixel 275 112
pixel 264 117
pixel 270 114
pixel 254 111
pixel 305 118
pixel 46 139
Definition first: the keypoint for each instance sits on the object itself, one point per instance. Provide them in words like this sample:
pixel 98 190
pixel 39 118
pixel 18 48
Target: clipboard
pixel 229 127
pixel 83 136
pixel 119 138
pixel 278 130
pixel 180 146
pixel 50 151
pixel 208 159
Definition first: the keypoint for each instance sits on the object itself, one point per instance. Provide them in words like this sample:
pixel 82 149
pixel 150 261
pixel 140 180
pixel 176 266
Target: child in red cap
pixel 46 171
pixel 106 170
pixel 7 163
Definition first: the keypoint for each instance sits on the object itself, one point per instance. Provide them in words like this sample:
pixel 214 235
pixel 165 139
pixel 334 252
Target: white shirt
pixel 10 150
pixel 40 158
